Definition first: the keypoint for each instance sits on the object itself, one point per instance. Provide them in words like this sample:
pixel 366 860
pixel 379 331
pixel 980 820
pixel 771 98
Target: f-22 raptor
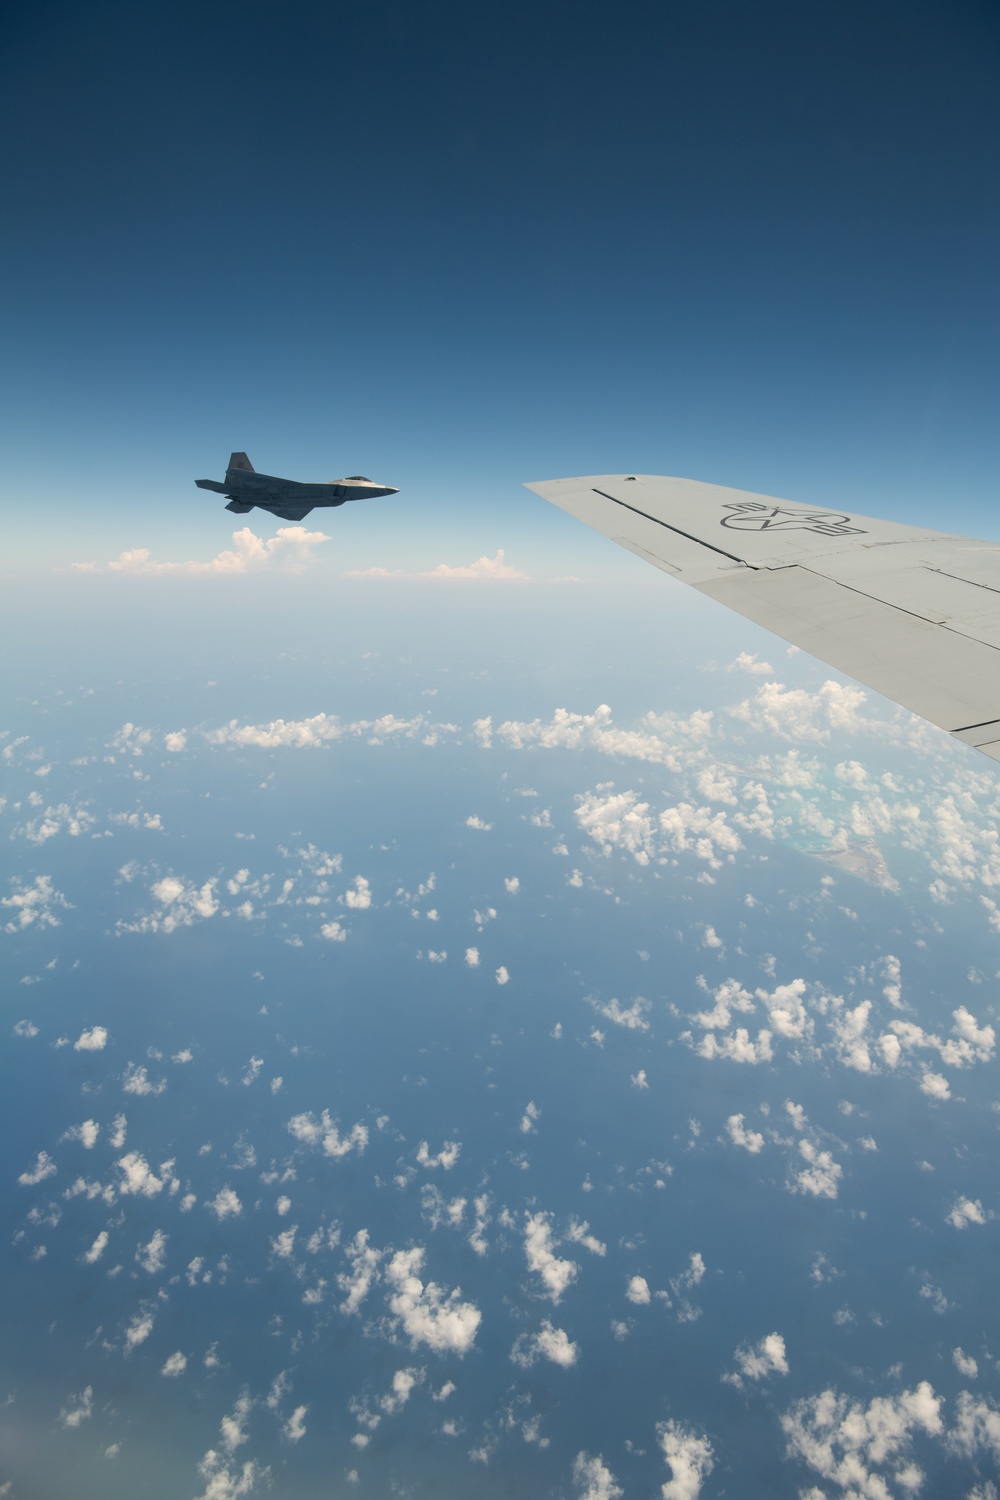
pixel 287 498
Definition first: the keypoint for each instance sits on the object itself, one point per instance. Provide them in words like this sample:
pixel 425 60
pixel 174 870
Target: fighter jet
pixel 287 498
pixel 914 614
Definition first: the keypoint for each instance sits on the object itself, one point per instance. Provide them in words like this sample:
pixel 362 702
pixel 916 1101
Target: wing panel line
pixel 676 529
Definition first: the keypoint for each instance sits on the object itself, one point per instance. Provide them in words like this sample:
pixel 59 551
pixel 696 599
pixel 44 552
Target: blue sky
pixel 455 248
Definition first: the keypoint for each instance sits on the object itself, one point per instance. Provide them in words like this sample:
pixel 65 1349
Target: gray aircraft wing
pixel 286 512
pixel 914 614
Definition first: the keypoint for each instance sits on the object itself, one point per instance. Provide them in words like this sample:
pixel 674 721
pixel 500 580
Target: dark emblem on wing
pixel 754 515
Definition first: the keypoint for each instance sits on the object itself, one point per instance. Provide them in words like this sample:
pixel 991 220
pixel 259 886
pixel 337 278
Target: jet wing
pixel 913 614
pixel 286 512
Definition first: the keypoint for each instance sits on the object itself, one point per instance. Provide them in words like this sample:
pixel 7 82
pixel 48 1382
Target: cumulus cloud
pixel 359 896
pixel 44 1167
pixel 295 1428
pixel 225 1204
pixel 82 1410
pixel 484 568
pixel 86 1134
pixel 502 974
pixel 153 1256
pixel 427 1314
pixel 632 1017
pixel 136 1080
pixel 138 1330
pixel 548 1343
pixel 97 1249
pixel 180 903
pixel 94 1040
pixel 556 1274
pixel 446 1157
pixel 638 1291
pixel 324 1133
pixel 138 1177
pixel 357 1283
pixel 594 1479
pixel 174 1365
pixel 690 1458
pixel 750 1140
pixel 291 548
pixel 821 1174
pixel 859 1447
pixel 32 905
pixel 758 1361
pixel 965 1211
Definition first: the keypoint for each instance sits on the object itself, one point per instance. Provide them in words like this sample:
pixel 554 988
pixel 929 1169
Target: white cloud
pixel 138 1330
pixel 323 1132
pixel 556 1274
pixel 295 1428
pixel 136 1080
pixel 84 1408
pixel 403 1385
pixel 364 1261
pixel 849 1444
pixel 638 1291
pixel 233 1426
pixel 291 548
pixel 820 1175
pixel 495 568
pixel 512 884
pixel 935 1085
pixel 794 714
pixel 32 904
pixel 86 1134
pixel 429 1315
pixel 181 903
pixel 977 1425
pixel 94 1040
pixel 502 974
pixel 750 1140
pixel 639 1080
pixel 97 1249
pixel 333 932
pixel 758 1361
pixel 632 1017
pixel 594 1479
pixel 690 1457
pixel 175 741
pixel 472 958
pixel 531 1115
pixel 747 663
pixel 153 1256
pixel 966 1211
pixel 44 1167
pixel 359 897
pixel 139 1177
pixel 225 1483
pixel 225 1204
pixel 965 1364
pixel 548 1343
pixel 446 1157
pixel 174 1365
pixel 24 1028
pixel 475 821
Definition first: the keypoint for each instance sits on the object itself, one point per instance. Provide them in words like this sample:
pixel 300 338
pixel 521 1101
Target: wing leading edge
pixel 913 614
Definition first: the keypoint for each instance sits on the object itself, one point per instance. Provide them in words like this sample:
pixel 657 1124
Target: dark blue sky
pixel 455 247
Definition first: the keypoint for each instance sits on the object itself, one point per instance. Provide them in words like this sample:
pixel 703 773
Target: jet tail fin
pixel 240 461
pixel 211 484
